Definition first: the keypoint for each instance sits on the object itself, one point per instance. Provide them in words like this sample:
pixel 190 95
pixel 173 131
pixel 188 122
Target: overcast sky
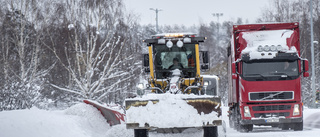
pixel 189 12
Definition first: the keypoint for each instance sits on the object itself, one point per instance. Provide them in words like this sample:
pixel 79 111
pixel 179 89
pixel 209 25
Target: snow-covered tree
pixel 21 55
pixel 101 51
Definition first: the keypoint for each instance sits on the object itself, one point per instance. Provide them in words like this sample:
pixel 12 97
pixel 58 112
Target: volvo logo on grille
pixel 268 96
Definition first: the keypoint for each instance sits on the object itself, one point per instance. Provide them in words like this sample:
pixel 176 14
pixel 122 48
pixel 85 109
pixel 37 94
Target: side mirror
pixel 305 65
pixel 305 74
pixel 205 57
pixel 305 68
pixel 234 71
pixel 204 67
pixel 146 62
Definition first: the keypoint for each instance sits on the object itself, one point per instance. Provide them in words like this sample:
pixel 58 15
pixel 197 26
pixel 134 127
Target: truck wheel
pixel 231 120
pixel 250 127
pixel 298 126
pixel 246 128
pixel 141 133
pixel 285 126
pixel 231 123
pixel 237 124
pixel 210 131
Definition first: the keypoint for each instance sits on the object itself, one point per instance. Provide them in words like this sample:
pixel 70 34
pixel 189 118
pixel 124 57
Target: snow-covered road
pixel 310 116
pixel 311 129
pixel 83 120
pixel 312 121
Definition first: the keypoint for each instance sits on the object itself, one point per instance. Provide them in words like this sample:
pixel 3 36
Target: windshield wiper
pixel 282 74
pixel 256 75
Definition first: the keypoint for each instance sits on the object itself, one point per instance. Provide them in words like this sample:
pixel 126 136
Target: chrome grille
pixel 271 108
pixel 267 115
pixel 269 96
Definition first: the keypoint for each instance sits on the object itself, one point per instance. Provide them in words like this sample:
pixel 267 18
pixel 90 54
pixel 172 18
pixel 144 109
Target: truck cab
pixel 265 76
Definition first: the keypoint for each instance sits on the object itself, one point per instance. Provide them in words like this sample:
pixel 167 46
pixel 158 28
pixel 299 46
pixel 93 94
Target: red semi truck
pixel 265 69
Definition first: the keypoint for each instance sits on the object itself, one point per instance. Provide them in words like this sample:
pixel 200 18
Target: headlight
pixel 187 40
pixel 296 110
pixel 246 111
pixel 260 48
pixel 140 86
pixel 161 41
pixel 169 44
pixel 266 48
pixel 273 48
pixel 279 47
pixel 206 83
pixel 179 43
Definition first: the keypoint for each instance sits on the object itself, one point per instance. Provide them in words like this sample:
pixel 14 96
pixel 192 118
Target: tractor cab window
pixel 167 59
pixel 176 60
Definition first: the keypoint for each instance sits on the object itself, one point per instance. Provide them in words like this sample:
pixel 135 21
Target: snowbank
pixel 170 111
pixel 78 121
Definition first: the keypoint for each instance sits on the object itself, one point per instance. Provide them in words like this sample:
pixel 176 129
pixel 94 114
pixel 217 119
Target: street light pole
pixel 156 10
pixel 217 15
pixel 313 88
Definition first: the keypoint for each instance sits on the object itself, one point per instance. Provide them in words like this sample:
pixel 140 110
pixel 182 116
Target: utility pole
pixel 156 10
pixel 217 15
pixel 313 88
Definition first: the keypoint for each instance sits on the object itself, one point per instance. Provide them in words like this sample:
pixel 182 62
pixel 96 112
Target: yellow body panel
pixel 151 62
pixel 197 59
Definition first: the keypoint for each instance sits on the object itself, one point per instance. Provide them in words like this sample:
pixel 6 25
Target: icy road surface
pixel 83 120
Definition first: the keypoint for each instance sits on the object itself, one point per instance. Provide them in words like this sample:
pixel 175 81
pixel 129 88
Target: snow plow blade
pixel 205 105
pixel 113 117
pixel 173 111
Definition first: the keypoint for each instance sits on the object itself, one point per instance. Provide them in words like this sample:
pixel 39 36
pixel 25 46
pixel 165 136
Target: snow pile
pixel 78 121
pixel 89 118
pixel 120 131
pixel 170 111
pixel 268 37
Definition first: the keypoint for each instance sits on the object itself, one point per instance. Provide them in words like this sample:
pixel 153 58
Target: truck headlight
pixel 296 110
pixel 266 48
pixel 273 48
pixel 260 48
pixel 279 47
pixel 246 111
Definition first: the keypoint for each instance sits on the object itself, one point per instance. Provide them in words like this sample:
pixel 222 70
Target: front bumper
pixel 268 121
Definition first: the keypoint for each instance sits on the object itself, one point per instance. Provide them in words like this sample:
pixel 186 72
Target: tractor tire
pixel 141 133
pixel 298 126
pixel 210 131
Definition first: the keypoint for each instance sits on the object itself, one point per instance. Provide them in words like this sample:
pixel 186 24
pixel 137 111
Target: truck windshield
pixel 280 70
pixel 174 58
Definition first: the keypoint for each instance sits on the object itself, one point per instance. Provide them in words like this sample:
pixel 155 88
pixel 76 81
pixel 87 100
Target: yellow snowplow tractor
pixel 175 58
pixel 173 99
